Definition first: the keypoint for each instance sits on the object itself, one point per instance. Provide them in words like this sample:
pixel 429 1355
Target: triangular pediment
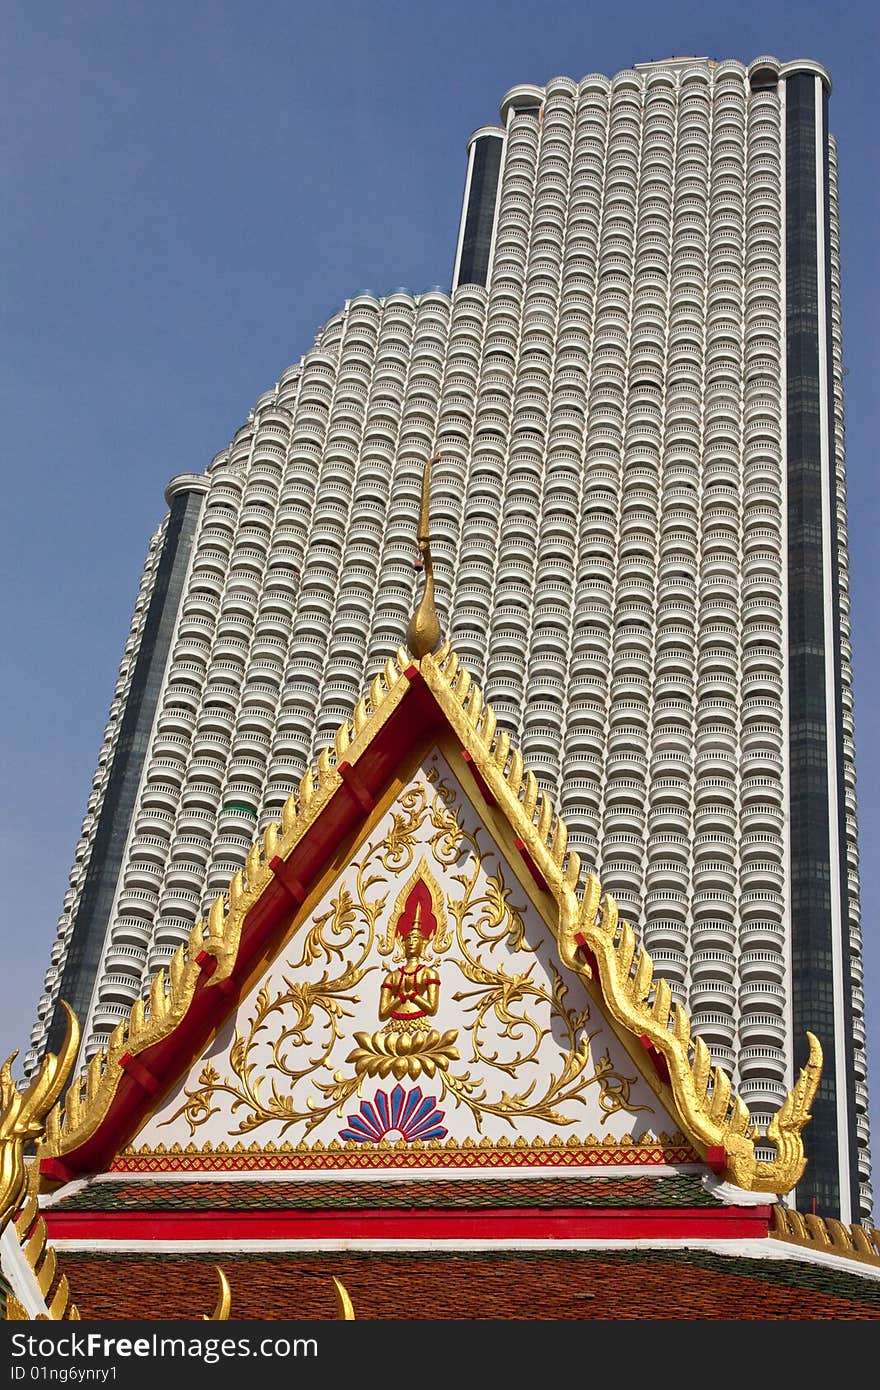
pixel 543 1030
pixel 418 1004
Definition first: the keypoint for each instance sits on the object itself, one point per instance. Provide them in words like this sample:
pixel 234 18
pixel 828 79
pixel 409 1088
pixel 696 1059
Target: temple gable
pixel 417 1007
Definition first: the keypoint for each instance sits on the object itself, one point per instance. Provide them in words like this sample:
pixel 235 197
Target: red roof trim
pixel 494 1223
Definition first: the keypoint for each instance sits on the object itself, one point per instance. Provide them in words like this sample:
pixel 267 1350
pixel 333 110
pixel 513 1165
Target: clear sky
pixel 189 190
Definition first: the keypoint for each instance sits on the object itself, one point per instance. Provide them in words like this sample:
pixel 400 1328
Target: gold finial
pixel 423 633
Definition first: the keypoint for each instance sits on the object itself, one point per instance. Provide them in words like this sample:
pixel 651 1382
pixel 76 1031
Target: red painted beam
pixel 658 1060
pixel 351 779
pixel 508 1224
pixel 588 955
pixel 140 1074
pixel 716 1157
pixel 530 864
pixel 289 882
pixel 478 778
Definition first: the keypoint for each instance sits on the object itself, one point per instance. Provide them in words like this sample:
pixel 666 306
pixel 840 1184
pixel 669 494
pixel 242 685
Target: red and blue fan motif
pixel 409 1113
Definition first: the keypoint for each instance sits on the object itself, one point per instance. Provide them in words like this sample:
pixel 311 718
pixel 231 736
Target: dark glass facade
pixel 812 819
pixel 85 950
pixel 480 212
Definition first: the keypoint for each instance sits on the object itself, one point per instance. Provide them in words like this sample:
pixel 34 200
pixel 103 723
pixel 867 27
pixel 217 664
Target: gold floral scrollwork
pixel 519 1024
pixel 398 847
pixel 614 1089
pixel 485 911
pixel 348 926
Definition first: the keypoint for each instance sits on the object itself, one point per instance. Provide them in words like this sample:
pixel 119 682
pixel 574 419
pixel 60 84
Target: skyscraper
pixel 639 520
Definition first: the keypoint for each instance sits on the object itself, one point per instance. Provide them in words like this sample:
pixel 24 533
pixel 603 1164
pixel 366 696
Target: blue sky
pixel 190 190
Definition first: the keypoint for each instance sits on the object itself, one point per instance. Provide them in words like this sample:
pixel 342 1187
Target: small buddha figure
pixel 412 991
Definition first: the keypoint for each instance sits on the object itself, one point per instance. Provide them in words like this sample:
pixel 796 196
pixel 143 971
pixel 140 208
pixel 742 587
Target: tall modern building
pixel 639 520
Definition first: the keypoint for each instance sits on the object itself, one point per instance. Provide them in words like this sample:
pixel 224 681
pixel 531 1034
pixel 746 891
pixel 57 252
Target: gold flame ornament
pixel 423 632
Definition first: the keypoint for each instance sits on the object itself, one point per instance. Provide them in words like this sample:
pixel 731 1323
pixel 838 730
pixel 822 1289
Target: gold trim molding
pixel 345 1155
pixel 824 1233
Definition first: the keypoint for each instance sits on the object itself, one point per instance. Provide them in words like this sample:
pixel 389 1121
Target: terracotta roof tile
pixel 625 1284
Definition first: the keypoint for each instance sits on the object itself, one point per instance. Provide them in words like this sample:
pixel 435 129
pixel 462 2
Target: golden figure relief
pixel 412 992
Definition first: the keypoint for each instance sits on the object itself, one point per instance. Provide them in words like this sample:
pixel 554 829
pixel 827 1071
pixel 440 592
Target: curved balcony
pixel 667 874
pixel 762 934
pixel 106 1017
pixel 713 882
pixel 762 1062
pixel 760 875
pixel 122 959
pixel 143 875
pixel 762 1029
pixel 186 875
pixel 135 903
pixel 119 988
pixel 622 879
pixel 666 902
pixel 714 929
pixel 761 996
pixel 759 965
pixel 712 996
pixel 763 1097
pixel 669 964
pixel 132 933
pixel 668 841
pixel 715 1027
pixel 665 933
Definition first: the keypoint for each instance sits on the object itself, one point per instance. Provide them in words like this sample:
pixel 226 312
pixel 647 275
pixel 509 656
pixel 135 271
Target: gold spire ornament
pixel 423 632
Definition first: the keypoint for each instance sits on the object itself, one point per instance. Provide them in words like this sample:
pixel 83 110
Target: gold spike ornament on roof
pixel 423 633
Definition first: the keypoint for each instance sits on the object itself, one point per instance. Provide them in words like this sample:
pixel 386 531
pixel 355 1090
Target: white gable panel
pixel 474 1036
